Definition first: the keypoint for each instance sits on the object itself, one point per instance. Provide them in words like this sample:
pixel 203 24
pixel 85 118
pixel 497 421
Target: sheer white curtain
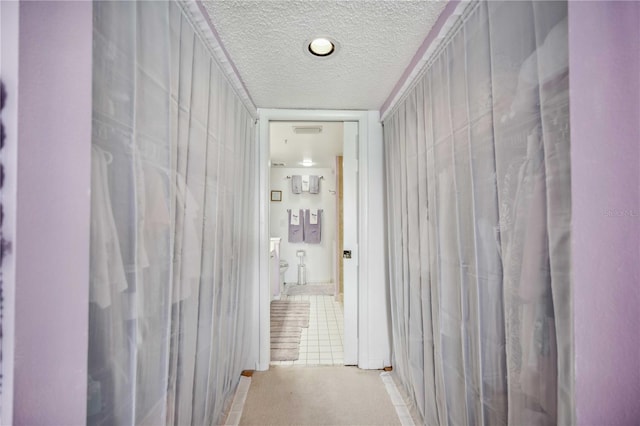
pixel 478 192
pixel 173 221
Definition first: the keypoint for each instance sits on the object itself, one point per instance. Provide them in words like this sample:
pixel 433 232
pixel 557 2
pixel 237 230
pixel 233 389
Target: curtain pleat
pixel 173 228
pixel 478 192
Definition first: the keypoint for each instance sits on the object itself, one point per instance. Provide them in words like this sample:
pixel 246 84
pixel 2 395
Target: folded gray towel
pixel 312 232
pixel 296 184
pixel 296 232
pixel 314 184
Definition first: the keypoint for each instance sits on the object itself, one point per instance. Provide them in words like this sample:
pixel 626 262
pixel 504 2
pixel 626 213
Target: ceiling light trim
pixel 321 47
pixel 306 47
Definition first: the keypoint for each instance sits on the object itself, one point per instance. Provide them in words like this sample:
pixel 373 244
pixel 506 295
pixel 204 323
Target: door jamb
pixel 261 320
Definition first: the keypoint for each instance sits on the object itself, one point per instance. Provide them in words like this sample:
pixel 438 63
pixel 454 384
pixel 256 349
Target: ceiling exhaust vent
pixel 278 164
pixel 307 129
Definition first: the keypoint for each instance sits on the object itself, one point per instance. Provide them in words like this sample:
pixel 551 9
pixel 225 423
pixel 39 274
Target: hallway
pixel 495 177
pixel 323 395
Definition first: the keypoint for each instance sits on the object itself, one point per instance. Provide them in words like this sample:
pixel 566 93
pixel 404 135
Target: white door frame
pixel 365 120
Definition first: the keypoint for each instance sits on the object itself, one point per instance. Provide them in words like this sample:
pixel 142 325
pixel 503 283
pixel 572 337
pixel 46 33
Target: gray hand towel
pixel 296 184
pixel 296 232
pixel 312 232
pixel 314 184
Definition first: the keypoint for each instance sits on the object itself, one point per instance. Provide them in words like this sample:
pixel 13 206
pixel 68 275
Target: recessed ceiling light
pixel 307 163
pixel 321 46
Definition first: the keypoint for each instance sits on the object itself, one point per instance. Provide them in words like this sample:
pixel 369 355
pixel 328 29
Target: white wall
pixel 319 258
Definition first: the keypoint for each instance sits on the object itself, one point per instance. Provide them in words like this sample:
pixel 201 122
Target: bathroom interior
pixel 307 267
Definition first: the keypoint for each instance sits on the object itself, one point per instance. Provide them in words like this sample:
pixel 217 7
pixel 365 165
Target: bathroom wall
pixel 319 257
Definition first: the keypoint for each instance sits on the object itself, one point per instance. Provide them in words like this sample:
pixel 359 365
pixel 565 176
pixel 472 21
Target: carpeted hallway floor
pixel 318 396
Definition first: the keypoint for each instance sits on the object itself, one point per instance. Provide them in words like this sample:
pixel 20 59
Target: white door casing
pixel 371 304
pixel 350 245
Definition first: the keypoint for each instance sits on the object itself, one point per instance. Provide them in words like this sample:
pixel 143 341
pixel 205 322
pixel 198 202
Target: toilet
pixel 284 265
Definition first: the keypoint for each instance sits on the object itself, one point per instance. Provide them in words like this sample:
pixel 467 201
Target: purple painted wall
pixel 604 46
pixel 53 211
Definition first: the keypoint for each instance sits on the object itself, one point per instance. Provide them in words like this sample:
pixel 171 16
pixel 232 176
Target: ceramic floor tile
pixel 321 342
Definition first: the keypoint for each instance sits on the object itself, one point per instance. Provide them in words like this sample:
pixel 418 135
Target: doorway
pixel 306 209
pixel 352 305
pixel 306 320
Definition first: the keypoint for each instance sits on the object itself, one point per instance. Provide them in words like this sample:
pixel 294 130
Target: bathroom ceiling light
pixel 321 46
pixel 307 129
pixel 307 163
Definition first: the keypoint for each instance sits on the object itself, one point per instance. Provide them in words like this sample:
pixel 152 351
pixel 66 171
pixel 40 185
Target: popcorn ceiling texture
pixel 266 41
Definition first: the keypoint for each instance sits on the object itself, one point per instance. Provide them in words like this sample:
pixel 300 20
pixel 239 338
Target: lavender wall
pixel 53 208
pixel 604 45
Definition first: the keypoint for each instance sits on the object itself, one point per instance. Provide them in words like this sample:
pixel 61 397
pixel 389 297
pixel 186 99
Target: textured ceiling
pixel 266 41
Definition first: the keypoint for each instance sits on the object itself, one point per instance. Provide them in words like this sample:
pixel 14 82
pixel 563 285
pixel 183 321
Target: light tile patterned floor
pixel 321 343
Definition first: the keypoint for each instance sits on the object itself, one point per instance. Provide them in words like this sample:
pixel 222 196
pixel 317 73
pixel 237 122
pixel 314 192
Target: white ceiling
pixel 266 41
pixel 292 148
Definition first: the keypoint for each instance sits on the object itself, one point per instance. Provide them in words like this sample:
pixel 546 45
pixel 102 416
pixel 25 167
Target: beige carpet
pixel 318 396
pixel 287 320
